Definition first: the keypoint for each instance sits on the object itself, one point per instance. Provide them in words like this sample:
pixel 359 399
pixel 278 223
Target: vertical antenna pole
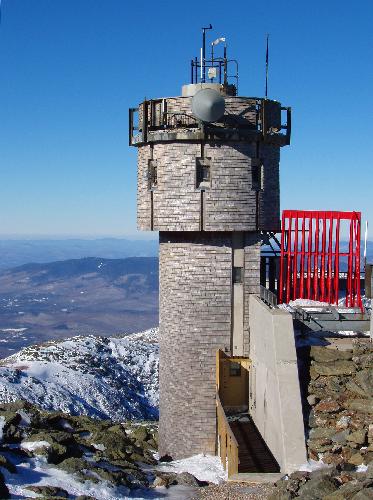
pixel 203 53
pixel 225 66
pixel 212 58
pixel 267 60
pixel 202 65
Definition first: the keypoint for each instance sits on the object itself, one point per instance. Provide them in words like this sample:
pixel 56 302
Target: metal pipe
pixel 225 81
pixel 203 53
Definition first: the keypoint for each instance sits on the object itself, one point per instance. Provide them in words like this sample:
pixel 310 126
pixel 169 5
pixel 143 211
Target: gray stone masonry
pixel 195 321
pixel 209 199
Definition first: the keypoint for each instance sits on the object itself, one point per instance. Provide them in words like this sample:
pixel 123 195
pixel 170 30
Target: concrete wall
pixel 275 400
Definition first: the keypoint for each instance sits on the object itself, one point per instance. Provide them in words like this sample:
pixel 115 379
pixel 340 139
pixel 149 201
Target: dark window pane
pixel 234 369
pixel 237 275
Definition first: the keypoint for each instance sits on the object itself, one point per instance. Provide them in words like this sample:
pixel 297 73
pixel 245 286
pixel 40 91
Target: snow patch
pixel 203 467
pixel 115 377
pixel 34 445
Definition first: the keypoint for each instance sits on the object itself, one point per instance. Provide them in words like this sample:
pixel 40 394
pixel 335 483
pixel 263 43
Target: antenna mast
pixel 266 89
pixel 203 53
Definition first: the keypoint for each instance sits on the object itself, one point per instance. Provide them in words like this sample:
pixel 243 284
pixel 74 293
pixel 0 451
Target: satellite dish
pixel 208 105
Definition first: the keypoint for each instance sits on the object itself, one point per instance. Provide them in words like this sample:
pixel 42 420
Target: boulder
pixel 7 464
pixel 73 465
pixel 341 437
pixel 327 405
pixel 340 367
pixel 365 494
pixel 358 437
pixel 327 355
pixel 352 386
pixel 364 379
pixel 317 488
pixel 361 405
pixel 49 491
pixel 356 459
pixel 322 433
pixel 346 491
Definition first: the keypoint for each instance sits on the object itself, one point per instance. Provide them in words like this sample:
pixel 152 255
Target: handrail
pixel 268 297
pixel 227 443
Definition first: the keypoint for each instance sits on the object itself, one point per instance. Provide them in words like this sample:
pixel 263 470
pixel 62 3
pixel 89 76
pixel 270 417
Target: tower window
pixel 256 174
pixel 203 173
pixel 152 174
pixel 234 369
pixel 237 275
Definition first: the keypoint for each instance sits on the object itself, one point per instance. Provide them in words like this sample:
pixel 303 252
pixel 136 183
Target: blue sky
pixel 69 71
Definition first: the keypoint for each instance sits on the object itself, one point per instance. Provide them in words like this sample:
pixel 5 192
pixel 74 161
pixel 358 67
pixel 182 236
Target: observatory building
pixel 208 181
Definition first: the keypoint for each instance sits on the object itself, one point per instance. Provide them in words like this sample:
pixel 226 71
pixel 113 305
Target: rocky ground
pixel 340 399
pixel 54 455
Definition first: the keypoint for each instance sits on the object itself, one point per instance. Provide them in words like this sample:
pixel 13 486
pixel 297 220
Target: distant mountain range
pixel 40 302
pixel 17 252
pixel 114 377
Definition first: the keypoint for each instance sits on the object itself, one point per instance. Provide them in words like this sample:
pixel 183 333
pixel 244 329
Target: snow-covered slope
pixel 113 377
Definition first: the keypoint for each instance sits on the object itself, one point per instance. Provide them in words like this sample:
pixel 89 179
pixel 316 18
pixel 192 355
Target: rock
pixel 187 479
pixel 160 481
pixel 370 433
pixel 358 437
pixel 327 405
pixel 311 399
pixel 341 367
pixel 313 373
pixel 320 445
pixel 49 491
pixel 341 437
pixel 73 465
pixel 85 497
pixel 140 434
pixel 355 389
pixel 365 494
pixel 327 355
pixel 115 444
pixel 364 379
pixel 322 432
pixel 343 422
pixel 346 491
pixel 356 459
pixel 366 360
pixel 362 405
pixel 318 488
pixel 280 495
pixel 7 464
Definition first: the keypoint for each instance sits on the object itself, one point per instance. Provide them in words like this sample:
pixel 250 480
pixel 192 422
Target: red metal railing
pixel 311 256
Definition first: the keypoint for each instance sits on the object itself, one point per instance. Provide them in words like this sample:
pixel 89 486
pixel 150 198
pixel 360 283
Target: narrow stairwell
pixel 253 453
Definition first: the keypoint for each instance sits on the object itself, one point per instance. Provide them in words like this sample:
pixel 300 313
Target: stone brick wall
pixel 230 202
pixel 195 321
pixel 340 399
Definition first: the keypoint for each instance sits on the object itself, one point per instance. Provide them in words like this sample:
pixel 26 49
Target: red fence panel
pixel 311 256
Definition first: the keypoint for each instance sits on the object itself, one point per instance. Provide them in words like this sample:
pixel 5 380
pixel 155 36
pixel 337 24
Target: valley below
pixel 88 296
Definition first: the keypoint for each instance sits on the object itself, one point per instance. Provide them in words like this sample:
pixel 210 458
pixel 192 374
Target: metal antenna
pixel 203 53
pixel 266 91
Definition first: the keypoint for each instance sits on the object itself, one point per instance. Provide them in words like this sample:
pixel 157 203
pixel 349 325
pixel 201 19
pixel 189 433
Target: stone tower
pixel 211 188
